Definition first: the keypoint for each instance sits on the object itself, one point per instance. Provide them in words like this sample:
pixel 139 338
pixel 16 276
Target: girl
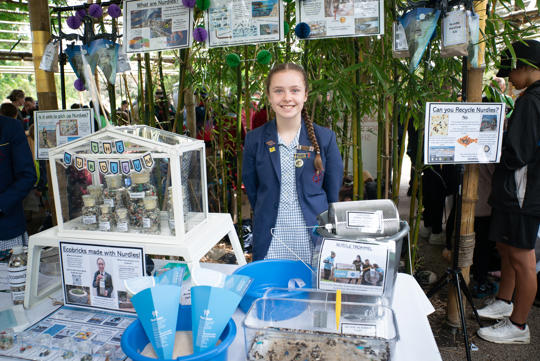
pixel 515 200
pixel 292 169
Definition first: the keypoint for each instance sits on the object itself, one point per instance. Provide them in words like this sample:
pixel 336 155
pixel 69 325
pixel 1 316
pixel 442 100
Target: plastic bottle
pixel 17 275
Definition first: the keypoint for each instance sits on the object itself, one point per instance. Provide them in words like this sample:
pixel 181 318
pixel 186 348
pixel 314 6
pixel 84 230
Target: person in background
pixel 292 170
pixel 124 113
pixel 515 201
pixel 164 110
pixel 9 110
pixel 16 97
pixel 18 178
pixel 28 112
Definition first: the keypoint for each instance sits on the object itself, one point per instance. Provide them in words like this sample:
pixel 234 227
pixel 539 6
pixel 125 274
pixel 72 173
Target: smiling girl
pixel 292 169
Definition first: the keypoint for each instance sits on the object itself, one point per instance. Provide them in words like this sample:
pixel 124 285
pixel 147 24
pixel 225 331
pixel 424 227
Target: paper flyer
pixel 157 308
pixel 341 18
pixel 463 133
pixel 152 25
pixel 237 22
pixel 57 127
pixel 353 267
pixel 93 275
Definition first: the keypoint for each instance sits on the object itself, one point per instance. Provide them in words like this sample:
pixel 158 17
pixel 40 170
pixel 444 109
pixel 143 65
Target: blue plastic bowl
pixel 134 340
pixel 273 273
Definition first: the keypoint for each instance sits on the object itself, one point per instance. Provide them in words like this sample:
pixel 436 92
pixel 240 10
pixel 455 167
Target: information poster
pixel 57 127
pixel 341 18
pixel 352 267
pixel 70 331
pixel 152 25
pixel 236 22
pixel 93 275
pixel 463 133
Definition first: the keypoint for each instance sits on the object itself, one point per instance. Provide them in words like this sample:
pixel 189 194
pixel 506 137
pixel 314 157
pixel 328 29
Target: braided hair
pixel 307 120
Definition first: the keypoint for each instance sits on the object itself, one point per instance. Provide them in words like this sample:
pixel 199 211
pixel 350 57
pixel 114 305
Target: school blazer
pixel 261 175
pixel 17 177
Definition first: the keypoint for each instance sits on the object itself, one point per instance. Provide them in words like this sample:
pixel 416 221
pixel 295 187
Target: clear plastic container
pixel 122 220
pixel 17 275
pixel 137 191
pixel 96 191
pixel 89 213
pixel 151 217
pixel 106 218
pixel 114 194
pixel 366 331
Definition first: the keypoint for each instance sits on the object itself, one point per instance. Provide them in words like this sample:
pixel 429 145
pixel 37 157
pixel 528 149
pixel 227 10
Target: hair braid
pixel 313 139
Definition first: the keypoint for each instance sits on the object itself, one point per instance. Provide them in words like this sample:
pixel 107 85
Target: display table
pixel 410 305
pixel 192 249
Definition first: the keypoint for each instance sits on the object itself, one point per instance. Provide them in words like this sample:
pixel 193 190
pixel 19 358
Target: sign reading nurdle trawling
pixel 463 133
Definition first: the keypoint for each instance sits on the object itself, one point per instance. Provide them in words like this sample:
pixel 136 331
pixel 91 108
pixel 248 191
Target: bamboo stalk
pixel 239 155
pixel 140 89
pixel 149 108
pixel 165 100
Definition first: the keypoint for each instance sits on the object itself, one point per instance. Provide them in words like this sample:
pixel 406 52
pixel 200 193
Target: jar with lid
pixel 122 220
pixel 106 218
pixel 96 191
pixel 170 211
pixel 151 219
pixel 17 274
pixel 139 189
pixel 89 213
pixel 114 193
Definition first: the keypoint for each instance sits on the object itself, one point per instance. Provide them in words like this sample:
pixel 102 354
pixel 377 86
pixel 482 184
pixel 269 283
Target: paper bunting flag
pixel 148 161
pixel 103 166
pixel 107 147
pixel 137 165
pixel 126 167
pixel 91 166
pixel 119 144
pixel 114 167
pixel 67 158
pixel 79 163
pixel 157 308
pixel 94 146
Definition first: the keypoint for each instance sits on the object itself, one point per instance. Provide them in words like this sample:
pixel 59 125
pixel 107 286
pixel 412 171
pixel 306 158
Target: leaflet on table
pixel 236 22
pixel 57 127
pixel 463 133
pixel 332 19
pixel 352 266
pixel 102 329
pixel 151 25
pixel 93 275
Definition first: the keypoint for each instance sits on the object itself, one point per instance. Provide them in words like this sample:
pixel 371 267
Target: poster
pixel 68 328
pixel 236 22
pixel 57 127
pixel 93 275
pixel 152 25
pixel 341 18
pixel 463 133
pixel 352 267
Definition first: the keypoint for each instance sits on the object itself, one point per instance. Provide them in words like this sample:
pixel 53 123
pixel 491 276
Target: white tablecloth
pixel 410 305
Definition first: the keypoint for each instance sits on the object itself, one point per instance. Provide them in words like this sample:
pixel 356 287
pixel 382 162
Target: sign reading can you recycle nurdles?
pixel 108 166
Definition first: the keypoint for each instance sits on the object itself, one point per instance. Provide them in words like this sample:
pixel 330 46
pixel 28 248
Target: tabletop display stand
pixel 107 167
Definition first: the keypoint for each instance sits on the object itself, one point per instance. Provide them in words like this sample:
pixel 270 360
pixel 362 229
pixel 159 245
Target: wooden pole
pixel 470 179
pixel 40 26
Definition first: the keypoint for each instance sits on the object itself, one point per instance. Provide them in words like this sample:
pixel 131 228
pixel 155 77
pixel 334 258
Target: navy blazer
pixel 17 177
pixel 261 175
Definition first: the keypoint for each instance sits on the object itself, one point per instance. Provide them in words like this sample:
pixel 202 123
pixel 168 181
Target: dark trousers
pixel 485 256
pixel 434 194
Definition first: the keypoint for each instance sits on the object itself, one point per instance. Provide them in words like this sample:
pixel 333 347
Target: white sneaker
pixel 496 309
pixel 437 239
pixel 424 232
pixel 505 332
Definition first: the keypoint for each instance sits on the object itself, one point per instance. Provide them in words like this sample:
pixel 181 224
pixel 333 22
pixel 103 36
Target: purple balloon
pixel 74 22
pixel 81 13
pixel 114 11
pixel 95 11
pixel 200 34
pixel 189 3
pixel 79 85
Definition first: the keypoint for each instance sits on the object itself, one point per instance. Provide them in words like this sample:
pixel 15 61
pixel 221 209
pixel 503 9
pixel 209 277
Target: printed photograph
pixel 489 123
pixel 46 137
pixel 438 125
pixel 264 8
pixel 78 294
pixel 138 18
pixel 160 28
pixel 318 28
pixel 366 25
pixel 177 38
pixel 335 8
pixel 442 154
pixel 269 29
pixel 69 127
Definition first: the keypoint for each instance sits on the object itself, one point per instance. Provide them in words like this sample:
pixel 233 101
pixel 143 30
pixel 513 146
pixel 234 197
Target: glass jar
pixel 6 339
pixel 89 213
pixel 151 219
pixel 17 274
pixel 170 211
pixel 114 194
pixel 139 189
pixel 122 220
pixel 106 218
pixel 96 191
